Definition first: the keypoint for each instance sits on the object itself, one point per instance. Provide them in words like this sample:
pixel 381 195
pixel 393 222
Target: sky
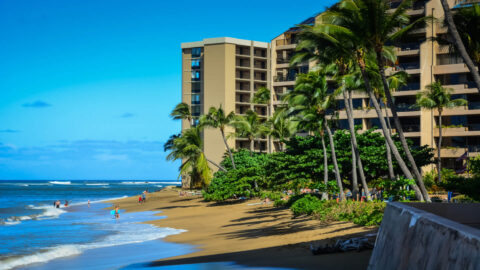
pixel 86 86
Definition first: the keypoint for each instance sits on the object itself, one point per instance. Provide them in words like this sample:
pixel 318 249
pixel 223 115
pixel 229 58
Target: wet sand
pixel 248 233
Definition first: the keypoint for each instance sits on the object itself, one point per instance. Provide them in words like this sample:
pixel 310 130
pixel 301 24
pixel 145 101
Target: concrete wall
pixel 411 238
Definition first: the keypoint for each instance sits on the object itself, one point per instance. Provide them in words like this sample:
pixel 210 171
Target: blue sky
pixel 86 86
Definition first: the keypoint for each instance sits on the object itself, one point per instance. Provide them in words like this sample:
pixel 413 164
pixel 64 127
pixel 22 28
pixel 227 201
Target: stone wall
pixel 411 238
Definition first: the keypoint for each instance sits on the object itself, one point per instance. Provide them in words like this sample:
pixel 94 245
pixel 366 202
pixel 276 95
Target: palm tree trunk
pixel 457 41
pixel 228 148
pixel 398 126
pixel 439 146
pixel 391 172
pixel 216 165
pixel 354 159
pixel 353 137
pixel 335 164
pixel 389 140
pixel 325 168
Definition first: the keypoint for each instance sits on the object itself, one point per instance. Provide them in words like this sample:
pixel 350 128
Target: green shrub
pixel 306 205
pixel 272 195
pixel 397 189
pixel 463 199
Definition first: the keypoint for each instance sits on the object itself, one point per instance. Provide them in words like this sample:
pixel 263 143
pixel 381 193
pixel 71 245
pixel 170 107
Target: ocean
pixel 36 235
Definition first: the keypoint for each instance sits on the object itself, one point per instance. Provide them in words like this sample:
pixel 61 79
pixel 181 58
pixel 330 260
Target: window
pixel 196 87
pixel 196 110
pixel 196 99
pixel 195 63
pixel 196 52
pixel 195 75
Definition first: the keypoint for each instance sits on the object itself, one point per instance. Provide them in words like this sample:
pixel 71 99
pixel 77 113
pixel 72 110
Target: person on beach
pixel 139 199
pixel 117 214
pixel 144 198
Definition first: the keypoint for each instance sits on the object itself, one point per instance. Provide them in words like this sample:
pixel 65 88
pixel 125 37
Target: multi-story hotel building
pixel 224 72
pixel 228 71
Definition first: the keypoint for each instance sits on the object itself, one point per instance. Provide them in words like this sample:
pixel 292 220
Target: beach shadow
pixel 186 199
pixel 296 256
pixel 229 202
pixel 176 206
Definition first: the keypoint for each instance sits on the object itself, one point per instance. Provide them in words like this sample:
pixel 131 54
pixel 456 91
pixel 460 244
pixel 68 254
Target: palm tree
pixel 309 101
pixel 468 21
pixel 438 97
pixel 351 23
pixel 377 25
pixel 182 112
pixel 188 147
pixel 262 96
pixel 248 126
pixel 347 82
pixel 216 118
pixel 327 40
pixel 281 127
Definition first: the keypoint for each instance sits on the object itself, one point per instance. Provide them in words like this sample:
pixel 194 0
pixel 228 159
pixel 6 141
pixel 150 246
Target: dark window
pixel 195 110
pixel 196 52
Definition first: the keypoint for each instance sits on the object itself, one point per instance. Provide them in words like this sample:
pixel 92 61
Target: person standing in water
pixel 117 214
pixel 89 203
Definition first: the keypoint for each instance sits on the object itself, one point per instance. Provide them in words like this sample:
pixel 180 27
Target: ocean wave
pixel 167 183
pixel 60 182
pixel 98 184
pixel 127 236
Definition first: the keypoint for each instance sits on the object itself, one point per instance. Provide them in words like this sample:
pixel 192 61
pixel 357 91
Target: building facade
pixel 232 75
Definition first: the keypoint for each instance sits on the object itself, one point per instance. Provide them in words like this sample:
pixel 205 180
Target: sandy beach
pixel 248 233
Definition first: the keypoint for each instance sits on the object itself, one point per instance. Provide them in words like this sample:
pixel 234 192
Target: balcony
pixel 410 65
pixel 285 44
pixel 407 49
pixel 449 69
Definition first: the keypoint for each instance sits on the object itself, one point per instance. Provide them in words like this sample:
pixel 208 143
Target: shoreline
pixel 247 233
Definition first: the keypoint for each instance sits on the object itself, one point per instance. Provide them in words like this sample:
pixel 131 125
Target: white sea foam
pixel 61 182
pixel 128 235
pixel 167 183
pixel 152 183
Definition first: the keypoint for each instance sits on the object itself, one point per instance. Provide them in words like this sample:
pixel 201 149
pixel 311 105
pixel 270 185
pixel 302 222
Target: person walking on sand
pixel 144 198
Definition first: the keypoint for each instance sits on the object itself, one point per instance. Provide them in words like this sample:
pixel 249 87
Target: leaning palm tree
pixel 182 112
pixel 216 118
pixel 438 97
pixel 188 147
pixel 467 19
pixel 309 102
pixel 350 23
pixel 281 126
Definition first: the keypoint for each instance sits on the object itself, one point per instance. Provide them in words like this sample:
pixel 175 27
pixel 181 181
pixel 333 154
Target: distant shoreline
pixel 247 233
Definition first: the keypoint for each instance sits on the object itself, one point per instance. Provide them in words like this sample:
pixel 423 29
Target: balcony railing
pixel 287 41
pixel 473 127
pixel 406 107
pixel 410 86
pixel 281 60
pixel 287 78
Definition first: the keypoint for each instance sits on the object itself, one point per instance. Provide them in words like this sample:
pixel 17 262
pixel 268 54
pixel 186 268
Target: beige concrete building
pixel 224 72
pixel 230 69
